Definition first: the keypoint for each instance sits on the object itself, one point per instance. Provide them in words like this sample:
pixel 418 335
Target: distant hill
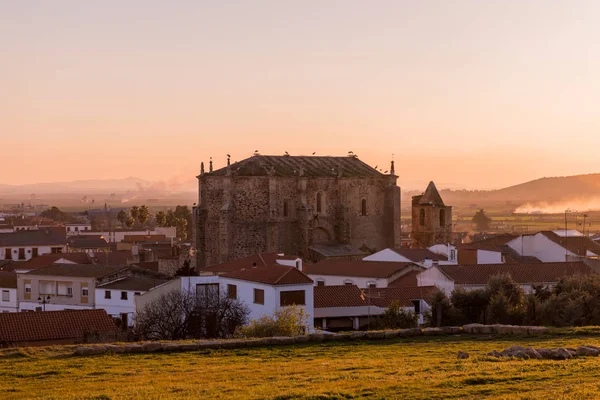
pixel 563 189
pixel 79 186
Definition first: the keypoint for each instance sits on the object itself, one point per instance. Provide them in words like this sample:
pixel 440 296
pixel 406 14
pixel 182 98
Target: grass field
pixel 417 368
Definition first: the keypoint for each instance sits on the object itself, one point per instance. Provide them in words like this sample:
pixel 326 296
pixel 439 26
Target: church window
pixel 422 217
pixel 363 207
pixel 319 202
pixel 285 208
pixel 442 217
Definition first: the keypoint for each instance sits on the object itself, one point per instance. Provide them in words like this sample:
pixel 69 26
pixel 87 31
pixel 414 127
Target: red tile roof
pixel 418 255
pixel 8 280
pixel 575 244
pixel 383 297
pixel 259 260
pixel 357 268
pixel 407 280
pixel 25 327
pixel 77 270
pixel 338 296
pixel 479 274
pixel 42 237
pixel 48 259
pixel 271 275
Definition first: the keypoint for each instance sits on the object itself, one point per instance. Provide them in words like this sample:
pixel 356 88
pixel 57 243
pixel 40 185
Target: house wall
pixel 539 246
pixel 11 305
pixel 119 236
pixel 33 305
pixel 489 257
pixel 447 250
pixel 146 298
pixel 361 282
pixel 29 251
pixel 77 284
pixel 434 277
pixel 115 306
pixel 386 255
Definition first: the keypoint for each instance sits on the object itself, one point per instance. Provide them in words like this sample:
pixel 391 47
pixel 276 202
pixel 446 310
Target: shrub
pixel 442 312
pixel 287 321
pixel 470 304
pixel 396 317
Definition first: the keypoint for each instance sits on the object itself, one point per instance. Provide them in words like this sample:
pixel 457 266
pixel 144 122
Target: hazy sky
pixel 474 93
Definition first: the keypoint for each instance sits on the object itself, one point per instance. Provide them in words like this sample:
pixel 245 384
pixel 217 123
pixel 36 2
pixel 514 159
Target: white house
pixel 8 292
pixel 364 274
pixel 423 257
pixel 263 287
pixel 77 228
pixel 24 245
pixel 118 235
pixel 556 246
pixel 346 307
pixel 476 276
pixel 118 297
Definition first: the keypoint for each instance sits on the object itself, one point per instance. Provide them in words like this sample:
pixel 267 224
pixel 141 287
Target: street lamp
pixel 43 301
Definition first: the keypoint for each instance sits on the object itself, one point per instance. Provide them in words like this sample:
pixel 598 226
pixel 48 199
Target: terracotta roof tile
pixel 338 296
pixel 575 244
pixel 419 255
pixel 8 280
pixel 479 274
pixel 53 325
pixel 357 268
pixel 407 280
pixel 383 297
pixel 48 259
pixel 271 275
pixel 77 270
pixel 49 237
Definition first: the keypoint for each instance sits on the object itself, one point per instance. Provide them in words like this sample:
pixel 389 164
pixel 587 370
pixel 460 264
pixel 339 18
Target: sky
pixel 468 93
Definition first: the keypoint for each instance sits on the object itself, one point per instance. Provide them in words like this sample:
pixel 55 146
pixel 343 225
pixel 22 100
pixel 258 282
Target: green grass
pixel 412 368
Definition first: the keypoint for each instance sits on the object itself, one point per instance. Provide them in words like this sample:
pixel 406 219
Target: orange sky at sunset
pixel 475 94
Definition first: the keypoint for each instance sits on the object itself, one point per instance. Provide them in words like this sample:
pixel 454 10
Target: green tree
pixel 130 221
pixel 482 221
pixel 122 217
pixel 161 218
pixel 396 317
pixel 143 214
pixel 134 212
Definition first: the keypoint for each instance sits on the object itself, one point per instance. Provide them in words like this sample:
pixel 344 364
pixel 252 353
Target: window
pixel 5 295
pixel 65 288
pixel 319 202
pixel 320 282
pixel 442 217
pixel 56 250
pixel 285 208
pixel 207 291
pixel 417 305
pixel 28 288
pixel 291 297
pixel 371 285
pixel 123 295
pixel 21 253
pixel 47 288
pixel 349 282
pixel 363 207
pixel 452 254
pixel 76 229
pixel 68 229
pixel 35 252
pixel 137 293
pixel 86 228
pixel 84 292
pixel 107 294
pixel 232 291
pixel 8 254
pixel 422 217
pixel 259 296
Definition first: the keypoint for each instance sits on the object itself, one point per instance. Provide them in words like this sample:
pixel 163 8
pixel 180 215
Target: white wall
pixel 11 305
pixel 119 236
pixel 28 251
pixel 489 257
pixel 32 305
pixel 386 255
pixel 434 277
pixel 539 246
pixel 115 306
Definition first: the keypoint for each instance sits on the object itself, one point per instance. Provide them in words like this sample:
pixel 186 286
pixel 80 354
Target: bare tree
pixel 178 315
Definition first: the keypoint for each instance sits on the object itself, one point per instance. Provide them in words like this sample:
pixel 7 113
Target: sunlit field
pixel 411 368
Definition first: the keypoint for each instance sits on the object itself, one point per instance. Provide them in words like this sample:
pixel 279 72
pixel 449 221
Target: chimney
pixel 299 264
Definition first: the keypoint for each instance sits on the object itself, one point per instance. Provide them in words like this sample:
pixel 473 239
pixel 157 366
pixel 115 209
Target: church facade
pixel 431 219
pixel 309 206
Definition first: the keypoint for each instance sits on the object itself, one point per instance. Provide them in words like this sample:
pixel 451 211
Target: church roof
pixel 431 196
pixel 311 166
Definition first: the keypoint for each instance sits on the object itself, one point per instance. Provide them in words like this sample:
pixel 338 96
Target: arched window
pixel 442 218
pixel 363 207
pixel 319 202
pixel 422 217
pixel 285 208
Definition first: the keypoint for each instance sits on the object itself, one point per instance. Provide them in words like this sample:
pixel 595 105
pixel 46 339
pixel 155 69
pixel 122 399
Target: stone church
pixel 431 219
pixel 311 206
